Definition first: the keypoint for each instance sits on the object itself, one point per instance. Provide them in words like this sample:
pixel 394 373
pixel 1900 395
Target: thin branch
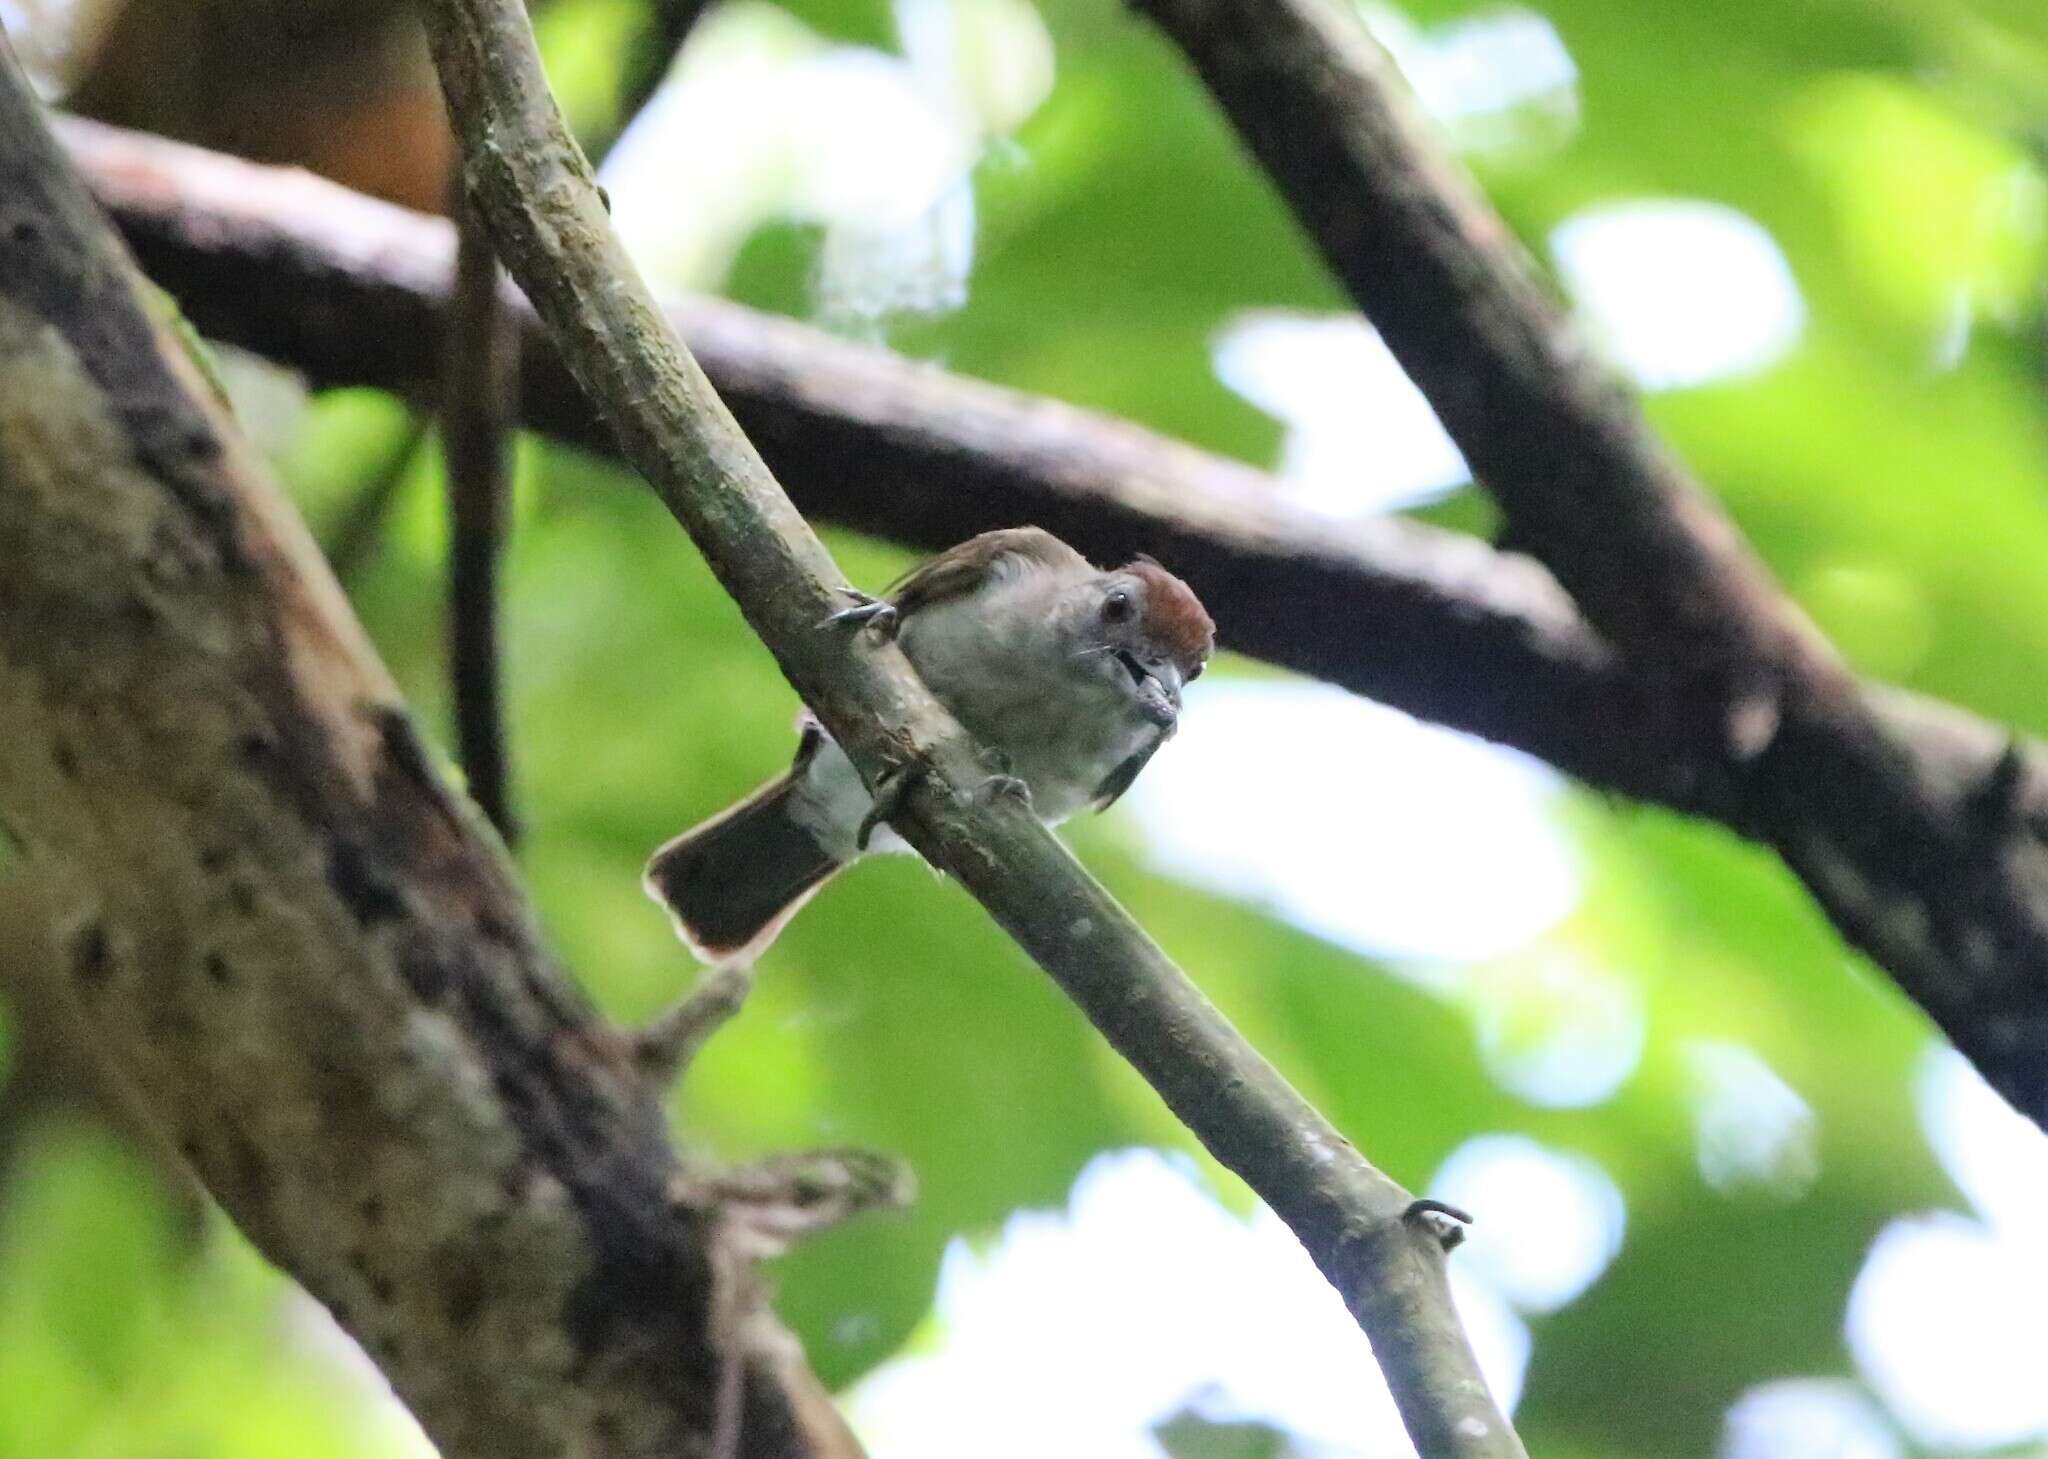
pixel 534 187
pixel 1953 903
pixel 666 1047
pixel 480 364
pixel 360 528
pixel 645 64
pixel 1435 623
pixel 311 971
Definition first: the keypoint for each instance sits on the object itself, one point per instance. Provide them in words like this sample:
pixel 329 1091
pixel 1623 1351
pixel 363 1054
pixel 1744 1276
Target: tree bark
pixel 304 958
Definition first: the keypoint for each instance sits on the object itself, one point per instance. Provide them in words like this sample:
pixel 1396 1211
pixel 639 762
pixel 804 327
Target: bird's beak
pixel 1159 693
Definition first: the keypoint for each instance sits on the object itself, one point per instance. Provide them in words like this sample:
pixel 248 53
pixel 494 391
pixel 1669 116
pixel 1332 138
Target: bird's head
pixel 1146 627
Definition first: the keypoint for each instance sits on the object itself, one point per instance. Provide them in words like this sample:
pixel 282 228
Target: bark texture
pixel 304 956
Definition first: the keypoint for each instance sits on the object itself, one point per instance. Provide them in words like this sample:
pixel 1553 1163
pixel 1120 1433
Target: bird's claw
pixel 1440 1219
pixel 1002 777
pixel 890 792
pixel 867 612
pixel 1007 784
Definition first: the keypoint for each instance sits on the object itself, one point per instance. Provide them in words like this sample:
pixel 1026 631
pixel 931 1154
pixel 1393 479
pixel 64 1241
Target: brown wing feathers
pixel 964 568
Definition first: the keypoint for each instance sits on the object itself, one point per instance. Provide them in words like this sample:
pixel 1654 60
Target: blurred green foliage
pixel 1893 469
pixel 127 1332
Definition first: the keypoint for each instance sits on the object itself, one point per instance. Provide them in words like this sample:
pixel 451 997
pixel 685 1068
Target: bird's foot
pixel 997 786
pixel 890 792
pixel 1002 778
pixel 868 612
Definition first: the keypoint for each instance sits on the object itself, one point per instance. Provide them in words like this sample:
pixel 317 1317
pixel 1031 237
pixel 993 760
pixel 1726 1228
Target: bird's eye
pixel 1117 606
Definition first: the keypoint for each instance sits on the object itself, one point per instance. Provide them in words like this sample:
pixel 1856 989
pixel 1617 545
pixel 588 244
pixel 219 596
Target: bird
pixel 1068 676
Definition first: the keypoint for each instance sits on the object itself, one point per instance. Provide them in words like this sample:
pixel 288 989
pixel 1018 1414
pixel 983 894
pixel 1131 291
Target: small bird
pixel 1070 677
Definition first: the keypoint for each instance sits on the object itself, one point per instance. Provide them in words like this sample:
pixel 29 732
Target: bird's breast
pixel 1062 723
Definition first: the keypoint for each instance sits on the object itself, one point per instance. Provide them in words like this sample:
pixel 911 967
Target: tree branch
pixel 480 359
pixel 533 186
pixel 313 975
pixel 1949 891
pixel 1432 622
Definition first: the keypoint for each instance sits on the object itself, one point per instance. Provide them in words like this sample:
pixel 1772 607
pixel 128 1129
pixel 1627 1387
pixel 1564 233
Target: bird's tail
pixel 734 882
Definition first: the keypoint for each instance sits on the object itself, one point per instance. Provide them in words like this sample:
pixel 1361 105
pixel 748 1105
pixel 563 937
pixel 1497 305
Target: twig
pixel 480 364
pixel 534 187
pixel 361 526
pixel 666 1047
pixel 1904 869
pixel 1432 622
pixel 762 1209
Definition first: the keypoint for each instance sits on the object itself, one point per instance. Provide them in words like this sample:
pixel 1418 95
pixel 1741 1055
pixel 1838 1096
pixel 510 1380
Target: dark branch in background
pixel 480 364
pixel 1949 892
pixel 1432 622
pixel 533 186
pixel 478 379
pixel 351 291
pixel 645 64
pixel 307 967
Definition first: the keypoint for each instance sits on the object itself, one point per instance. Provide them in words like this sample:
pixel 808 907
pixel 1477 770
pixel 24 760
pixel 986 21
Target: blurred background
pixel 1733 1199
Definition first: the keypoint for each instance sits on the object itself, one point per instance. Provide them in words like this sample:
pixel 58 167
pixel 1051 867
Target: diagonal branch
pixel 534 188
pixel 303 961
pixel 1435 623
pixel 1949 891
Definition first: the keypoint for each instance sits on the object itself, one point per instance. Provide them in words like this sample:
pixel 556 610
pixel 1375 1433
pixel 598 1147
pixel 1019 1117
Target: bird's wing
pixel 962 569
pixel 1120 779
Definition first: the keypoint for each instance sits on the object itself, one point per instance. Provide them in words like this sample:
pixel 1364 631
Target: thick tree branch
pixel 533 186
pixel 314 976
pixel 1432 622
pixel 1949 892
